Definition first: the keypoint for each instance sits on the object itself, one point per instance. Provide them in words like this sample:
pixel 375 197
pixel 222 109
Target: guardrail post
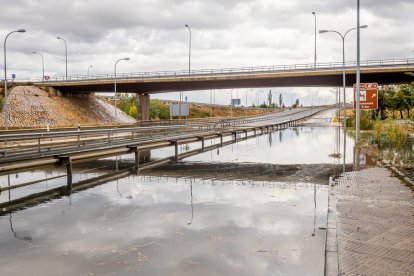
pixel 66 160
pixel 202 142
pixel 134 149
pixel 221 139
pixel 235 135
pixel 38 145
pixel 175 143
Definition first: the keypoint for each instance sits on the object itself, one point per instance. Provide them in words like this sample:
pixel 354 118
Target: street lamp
pixel 43 65
pixel 88 70
pixel 66 55
pixel 189 51
pixel 116 110
pixel 6 96
pixel 343 36
pixel 314 14
pixel 358 81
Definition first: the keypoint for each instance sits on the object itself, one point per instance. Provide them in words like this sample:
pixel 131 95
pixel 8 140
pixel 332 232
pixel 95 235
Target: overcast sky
pixel 225 33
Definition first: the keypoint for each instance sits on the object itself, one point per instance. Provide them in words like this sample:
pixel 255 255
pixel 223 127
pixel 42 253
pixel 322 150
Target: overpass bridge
pixel 392 71
pixel 297 75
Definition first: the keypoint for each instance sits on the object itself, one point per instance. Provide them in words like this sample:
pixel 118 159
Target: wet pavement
pixel 257 207
pixel 374 225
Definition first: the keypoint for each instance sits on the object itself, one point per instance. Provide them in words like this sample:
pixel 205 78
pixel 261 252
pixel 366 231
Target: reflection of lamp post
pixel 343 36
pixel 6 96
pixel 26 238
pixel 89 69
pixel 116 110
pixel 66 56
pixel 43 65
pixel 192 208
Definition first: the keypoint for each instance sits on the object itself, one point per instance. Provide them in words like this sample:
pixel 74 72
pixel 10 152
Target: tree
pixel 281 100
pixel 269 97
pixel 407 91
pixel 158 110
pixel 382 107
pixel 390 101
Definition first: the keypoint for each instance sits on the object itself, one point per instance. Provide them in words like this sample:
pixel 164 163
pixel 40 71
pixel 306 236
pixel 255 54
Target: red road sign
pixel 368 96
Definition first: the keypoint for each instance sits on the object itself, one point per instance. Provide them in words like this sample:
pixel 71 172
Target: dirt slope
pixel 33 107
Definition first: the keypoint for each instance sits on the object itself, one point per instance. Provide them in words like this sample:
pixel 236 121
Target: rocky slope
pixel 33 107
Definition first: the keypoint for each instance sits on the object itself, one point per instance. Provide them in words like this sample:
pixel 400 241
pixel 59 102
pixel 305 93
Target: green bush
pixel 365 122
pixel 378 129
pixel 396 134
pixel 158 110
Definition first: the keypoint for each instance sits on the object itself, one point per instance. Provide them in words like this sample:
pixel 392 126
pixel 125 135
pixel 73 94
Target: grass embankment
pixel 161 111
pixel 340 115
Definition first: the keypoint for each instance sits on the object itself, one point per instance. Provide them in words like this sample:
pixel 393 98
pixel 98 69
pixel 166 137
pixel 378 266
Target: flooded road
pixel 257 207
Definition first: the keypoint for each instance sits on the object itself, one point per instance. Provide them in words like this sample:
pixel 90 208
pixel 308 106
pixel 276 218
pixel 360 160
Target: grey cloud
pixel 225 33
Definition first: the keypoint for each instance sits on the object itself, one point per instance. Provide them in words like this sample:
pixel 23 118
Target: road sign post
pixel 368 96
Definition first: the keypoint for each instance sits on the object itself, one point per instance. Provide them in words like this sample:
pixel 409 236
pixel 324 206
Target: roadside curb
pixel 400 174
pixel 331 242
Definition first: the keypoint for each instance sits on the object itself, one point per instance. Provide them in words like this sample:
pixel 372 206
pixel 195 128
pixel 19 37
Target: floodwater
pixel 257 207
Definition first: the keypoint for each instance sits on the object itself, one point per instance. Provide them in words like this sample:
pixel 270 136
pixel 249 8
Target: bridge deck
pixel 297 75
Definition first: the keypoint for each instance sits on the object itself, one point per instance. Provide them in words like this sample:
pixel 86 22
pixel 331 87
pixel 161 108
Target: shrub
pixel 378 129
pixel 396 134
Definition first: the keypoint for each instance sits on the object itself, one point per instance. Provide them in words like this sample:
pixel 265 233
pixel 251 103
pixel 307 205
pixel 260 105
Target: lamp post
pixel 314 14
pixel 6 96
pixel 43 65
pixel 116 110
pixel 231 103
pixel 343 36
pixel 66 55
pixel 358 81
pixel 211 104
pixel 89 69
pixel 189 51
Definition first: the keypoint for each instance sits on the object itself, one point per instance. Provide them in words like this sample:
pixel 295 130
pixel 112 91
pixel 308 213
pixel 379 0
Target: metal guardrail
pixel 24 145
pixel 408 62
pixel 94 132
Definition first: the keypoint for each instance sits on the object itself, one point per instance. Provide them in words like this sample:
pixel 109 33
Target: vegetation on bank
pixel 394 102
pixel 393 121
pixel 161 111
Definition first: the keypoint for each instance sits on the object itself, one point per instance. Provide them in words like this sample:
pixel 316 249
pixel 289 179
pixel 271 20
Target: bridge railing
pixel 409 62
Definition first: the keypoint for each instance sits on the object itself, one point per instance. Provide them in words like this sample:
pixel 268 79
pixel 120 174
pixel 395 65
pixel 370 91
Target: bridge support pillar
pixel 143 106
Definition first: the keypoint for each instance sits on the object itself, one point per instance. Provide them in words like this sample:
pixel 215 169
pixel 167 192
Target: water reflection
pixel 192 207
pixel 17 236
pixel 244 225
pixel 260 226
pixel 119 192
